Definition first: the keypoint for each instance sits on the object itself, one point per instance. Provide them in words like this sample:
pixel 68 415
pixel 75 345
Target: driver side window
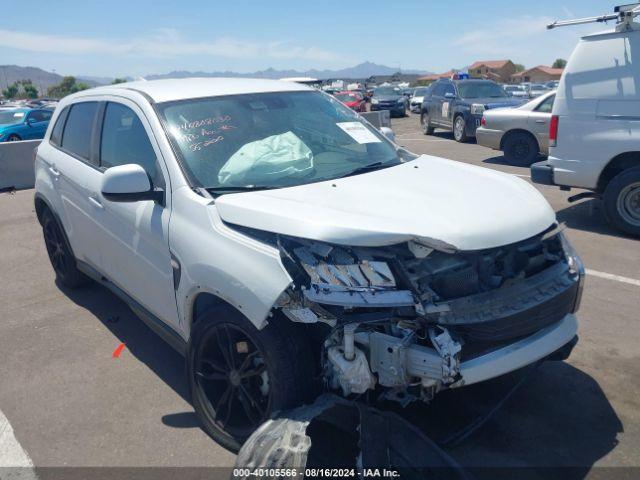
pixel 449 89
pixel 124 140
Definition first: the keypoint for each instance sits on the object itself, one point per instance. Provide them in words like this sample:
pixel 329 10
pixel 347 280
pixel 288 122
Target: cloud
pixel 162 43
pixel 522 39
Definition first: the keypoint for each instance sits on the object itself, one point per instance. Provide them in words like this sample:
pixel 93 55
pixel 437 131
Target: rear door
pixel 73 166
pixel 435 103
pixel 538 122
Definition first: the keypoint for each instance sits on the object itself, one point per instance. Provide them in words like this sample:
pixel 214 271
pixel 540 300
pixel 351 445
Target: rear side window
pixel 547 105
pixel 40 115
pixel 56 134
pixel 125 141
pixel 77 131
pixel 438 90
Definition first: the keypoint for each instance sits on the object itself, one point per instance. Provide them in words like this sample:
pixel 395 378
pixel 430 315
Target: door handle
pixel 96 202
pixel 55 172
pixel 541 121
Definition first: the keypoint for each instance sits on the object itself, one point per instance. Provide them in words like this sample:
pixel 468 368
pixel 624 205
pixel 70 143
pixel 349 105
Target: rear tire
pixel 622 201
pixel 62 260
pixel 240 376
pixel 427 129
pixel 459 129
pixel 521 149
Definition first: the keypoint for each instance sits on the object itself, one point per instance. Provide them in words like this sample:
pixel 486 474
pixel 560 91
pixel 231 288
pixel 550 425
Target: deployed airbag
pixel 259 162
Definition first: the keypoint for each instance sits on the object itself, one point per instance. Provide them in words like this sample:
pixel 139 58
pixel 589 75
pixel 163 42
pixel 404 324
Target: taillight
pixel 483 122
pixel 553 131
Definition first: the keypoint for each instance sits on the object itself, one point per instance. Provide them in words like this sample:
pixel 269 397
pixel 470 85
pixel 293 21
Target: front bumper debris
pixel 369 440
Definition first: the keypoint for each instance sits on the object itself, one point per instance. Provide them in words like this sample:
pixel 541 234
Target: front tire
pixel 13 138
pixel 622 201
pixel 239 375
pixel 62 260
pixel 520 149
pixel 459 129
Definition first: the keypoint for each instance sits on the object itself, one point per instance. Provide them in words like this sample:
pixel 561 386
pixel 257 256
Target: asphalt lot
pixel 71 404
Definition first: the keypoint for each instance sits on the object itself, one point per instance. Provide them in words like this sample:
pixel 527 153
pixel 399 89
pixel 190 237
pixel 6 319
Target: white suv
pixel 594 135
pixel 285 246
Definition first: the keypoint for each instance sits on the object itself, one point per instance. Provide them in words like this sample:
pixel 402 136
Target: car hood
pixel 388 98
pixel 446 204
pixel 496 102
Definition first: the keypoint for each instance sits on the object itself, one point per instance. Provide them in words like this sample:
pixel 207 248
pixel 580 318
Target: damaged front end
pixel 408 320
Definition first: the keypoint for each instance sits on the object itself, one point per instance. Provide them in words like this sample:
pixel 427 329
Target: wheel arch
pixel 41 205
pixel 514 131
pixel 206 300
pixel 616 165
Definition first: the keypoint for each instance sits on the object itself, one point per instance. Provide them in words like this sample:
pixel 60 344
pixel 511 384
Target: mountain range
pixel 360 71
pixel 43 79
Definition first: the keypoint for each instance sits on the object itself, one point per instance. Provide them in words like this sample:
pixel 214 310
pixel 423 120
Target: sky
pixel 141 37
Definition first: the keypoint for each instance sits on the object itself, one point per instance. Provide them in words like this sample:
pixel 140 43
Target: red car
pixel 353 100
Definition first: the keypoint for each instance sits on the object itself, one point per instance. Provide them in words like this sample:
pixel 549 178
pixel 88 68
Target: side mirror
pixel 387 132
pixel 30 120
pixel 449 95
pixel 129 183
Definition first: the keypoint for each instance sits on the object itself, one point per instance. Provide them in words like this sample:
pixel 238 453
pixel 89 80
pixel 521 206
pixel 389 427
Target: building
pixel 539 74
pixel 497 70
pixel 427 79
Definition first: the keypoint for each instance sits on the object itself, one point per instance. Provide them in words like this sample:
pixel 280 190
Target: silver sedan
pixel 522 133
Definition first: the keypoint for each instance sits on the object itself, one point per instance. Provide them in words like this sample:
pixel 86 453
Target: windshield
pixel 480 90
pixel 420 92
pixel 272 140
pixel 11 117
pixel 386 91
pixel 347 97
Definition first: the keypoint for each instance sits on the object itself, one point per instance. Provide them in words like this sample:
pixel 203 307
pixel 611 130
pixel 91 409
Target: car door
pixel 37 123
pixel 446 111
pixel 73 167
pixel 435 104
pixel 538 122
pixel 135 241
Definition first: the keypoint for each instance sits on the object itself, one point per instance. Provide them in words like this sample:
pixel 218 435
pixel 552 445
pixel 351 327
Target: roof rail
pixel 624 14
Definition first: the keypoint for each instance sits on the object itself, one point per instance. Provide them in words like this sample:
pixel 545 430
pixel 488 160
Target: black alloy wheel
pixel 62 260
pixel 232 375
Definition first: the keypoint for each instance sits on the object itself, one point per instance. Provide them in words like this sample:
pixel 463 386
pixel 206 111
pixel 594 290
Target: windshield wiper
pixel 370 168
pixel 216 191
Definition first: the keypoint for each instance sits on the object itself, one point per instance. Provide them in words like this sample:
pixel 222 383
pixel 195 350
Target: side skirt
pixel 163 330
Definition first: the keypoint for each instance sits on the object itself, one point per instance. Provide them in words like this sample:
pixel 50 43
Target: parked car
pixel 595 128
pixel 458 105
pixel 522 133
pixel 516 91
pixel 415 105
pixel 389 98
pixel 537 89
pixel 552 85
pixel 23 124
pixel 353 100
pixel 243 221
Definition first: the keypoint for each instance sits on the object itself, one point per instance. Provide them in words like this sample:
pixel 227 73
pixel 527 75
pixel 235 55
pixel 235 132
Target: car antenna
pixel 624 14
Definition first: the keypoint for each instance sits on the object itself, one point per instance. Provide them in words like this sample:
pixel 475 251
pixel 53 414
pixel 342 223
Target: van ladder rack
pixel 624 14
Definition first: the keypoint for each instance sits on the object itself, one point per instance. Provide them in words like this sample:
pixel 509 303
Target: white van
pixel 594 133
